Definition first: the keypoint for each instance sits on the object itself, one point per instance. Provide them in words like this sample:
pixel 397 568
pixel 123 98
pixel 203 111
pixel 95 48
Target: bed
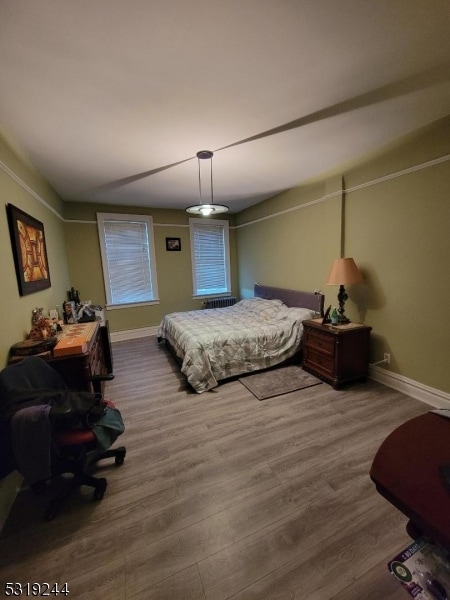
pixel 254 334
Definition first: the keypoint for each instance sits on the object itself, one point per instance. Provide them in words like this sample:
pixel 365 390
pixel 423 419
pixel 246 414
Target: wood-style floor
pixel 223 496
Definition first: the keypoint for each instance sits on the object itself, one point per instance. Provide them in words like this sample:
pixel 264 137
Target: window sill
pixel 131 305
pixel 205 296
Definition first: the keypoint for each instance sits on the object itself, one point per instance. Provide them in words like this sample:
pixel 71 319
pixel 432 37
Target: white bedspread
pixel 216 344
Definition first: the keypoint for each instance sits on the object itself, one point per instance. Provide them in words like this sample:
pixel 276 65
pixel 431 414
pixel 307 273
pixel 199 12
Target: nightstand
pixel 337 354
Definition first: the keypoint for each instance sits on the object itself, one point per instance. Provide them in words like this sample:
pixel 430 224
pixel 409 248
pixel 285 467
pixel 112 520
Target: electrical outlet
pixel 387 358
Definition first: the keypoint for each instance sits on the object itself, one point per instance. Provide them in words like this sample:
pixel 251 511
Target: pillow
pixel 294 313
pixel 246 304
pixel 262 307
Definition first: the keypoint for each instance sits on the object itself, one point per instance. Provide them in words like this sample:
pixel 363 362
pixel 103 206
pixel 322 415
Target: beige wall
pixel 399 231
pixel 286 241
pixel 174 269
pixel 22 185
pixel 394 220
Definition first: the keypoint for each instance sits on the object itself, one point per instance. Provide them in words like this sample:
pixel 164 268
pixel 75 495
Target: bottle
pixel 431 585
pixel 334 317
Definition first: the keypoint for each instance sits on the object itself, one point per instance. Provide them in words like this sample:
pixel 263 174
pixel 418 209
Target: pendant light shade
pixel 207 206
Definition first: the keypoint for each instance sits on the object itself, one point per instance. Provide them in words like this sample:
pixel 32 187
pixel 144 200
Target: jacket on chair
pixel 34 401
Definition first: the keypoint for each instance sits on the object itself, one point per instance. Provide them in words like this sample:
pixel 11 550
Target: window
pixel 210 256
pixel 128 258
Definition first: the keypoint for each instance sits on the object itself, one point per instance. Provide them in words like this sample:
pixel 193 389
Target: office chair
pixel 51 443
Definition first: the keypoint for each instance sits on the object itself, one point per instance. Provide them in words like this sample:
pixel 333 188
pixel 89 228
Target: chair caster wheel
pixel 100 489
pixel 120 457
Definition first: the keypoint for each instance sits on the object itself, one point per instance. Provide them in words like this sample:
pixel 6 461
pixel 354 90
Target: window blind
pixel 210 257
pixel 129 276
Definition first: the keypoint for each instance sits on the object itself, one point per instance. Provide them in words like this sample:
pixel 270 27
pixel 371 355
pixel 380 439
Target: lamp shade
pixel 344 272
pixel 205 210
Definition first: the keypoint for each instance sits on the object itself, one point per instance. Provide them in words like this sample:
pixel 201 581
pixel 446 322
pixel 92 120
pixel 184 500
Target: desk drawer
pixel 319 361
pixel 320 341
pixel 96 358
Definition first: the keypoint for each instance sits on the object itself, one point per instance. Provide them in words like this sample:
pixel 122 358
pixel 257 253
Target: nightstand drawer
pixel 318 360
pixel 337 354
pixel 320 341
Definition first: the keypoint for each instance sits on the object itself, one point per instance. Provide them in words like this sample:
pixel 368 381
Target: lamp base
pixel 342 297
pixel 343 320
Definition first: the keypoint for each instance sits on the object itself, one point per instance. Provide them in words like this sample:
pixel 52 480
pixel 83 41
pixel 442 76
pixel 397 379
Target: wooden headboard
pixel 314 301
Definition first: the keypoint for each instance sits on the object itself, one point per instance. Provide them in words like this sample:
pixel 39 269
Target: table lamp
pixel 343 272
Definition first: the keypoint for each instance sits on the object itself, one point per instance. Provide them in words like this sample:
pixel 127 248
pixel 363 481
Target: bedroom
pixel 394 227
pixel 434 239
pixel 393 220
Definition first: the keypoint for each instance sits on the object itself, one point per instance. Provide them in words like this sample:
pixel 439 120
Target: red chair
pixel 73 451
pixel 409 470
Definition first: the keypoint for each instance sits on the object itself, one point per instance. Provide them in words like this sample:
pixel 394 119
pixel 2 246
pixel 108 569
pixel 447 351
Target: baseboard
pixel 132 334
pixel 429 395
pixel 419 391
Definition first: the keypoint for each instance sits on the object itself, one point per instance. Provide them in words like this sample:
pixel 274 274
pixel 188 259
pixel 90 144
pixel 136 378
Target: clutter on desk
pixel 77 311
pixel 29 347
pixel 40 339
pixel 55 336
pixel 41 326
pixel 36 314
pixel 73 295
pixel 70 313
pixel 86 313
pixel 71 345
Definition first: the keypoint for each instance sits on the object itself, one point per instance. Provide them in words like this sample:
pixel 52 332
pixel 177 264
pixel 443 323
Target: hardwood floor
pixel 223 496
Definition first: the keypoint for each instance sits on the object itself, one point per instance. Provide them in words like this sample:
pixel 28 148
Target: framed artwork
pixel 173 244
pixel 29 251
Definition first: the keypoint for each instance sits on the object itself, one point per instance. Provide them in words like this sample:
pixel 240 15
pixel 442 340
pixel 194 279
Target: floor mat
pixel 276 382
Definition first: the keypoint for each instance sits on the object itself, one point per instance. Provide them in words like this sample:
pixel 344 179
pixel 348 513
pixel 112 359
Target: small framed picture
pixel 173 244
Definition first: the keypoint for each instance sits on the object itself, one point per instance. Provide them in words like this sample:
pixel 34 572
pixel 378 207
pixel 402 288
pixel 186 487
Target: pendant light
pixel 205 209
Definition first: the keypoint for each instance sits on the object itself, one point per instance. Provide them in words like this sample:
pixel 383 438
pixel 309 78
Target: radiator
pixel 219 302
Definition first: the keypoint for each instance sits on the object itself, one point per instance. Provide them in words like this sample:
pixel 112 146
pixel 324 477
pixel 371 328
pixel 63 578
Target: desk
pixel 76 369
pixel 405 471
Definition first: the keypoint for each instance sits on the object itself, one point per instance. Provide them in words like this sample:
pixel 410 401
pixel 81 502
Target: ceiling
pixel 106 97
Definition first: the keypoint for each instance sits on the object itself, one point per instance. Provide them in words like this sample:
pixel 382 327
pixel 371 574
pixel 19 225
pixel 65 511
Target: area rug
pixel 276 382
